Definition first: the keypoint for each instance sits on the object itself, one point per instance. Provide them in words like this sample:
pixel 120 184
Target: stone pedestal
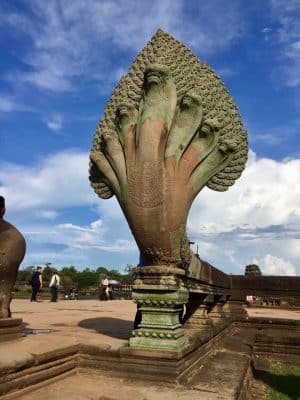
pixel 199 318
pixel 226 308
pixel 10 328
pixel 160 296
pixel 237 310
pixel 217 312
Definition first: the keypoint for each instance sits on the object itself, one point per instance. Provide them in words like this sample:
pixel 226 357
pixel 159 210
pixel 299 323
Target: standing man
pixel 36 283
pixel 54 284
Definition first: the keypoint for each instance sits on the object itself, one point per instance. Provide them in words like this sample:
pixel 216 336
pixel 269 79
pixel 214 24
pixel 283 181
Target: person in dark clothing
pixel 36 283
pixel 138 314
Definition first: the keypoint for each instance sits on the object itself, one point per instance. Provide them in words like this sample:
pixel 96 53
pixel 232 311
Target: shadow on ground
pixel 289 385
pixel 113 327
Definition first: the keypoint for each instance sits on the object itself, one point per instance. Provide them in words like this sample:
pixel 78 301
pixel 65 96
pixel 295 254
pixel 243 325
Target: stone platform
pixel 79 350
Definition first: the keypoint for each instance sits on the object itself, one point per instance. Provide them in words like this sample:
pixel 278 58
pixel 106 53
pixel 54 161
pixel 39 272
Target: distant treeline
pixel 81 279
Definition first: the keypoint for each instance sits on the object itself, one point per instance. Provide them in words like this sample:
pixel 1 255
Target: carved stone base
pixel 160 327
pixel 217 312
pixel 160 299
pixel 237 310
pixel 218 317
pixel 199 319
pixel 10 329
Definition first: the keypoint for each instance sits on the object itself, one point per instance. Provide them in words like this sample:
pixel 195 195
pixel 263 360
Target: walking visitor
pixel 36 283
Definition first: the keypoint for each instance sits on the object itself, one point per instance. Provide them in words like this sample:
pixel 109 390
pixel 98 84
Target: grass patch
pixel 283 381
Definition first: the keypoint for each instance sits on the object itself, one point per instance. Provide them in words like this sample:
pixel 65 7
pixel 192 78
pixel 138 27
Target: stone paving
pixel 104 323
pixel 93 321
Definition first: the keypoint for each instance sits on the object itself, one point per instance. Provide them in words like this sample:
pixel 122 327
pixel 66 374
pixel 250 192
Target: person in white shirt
pixel 54 284
pixel 105 285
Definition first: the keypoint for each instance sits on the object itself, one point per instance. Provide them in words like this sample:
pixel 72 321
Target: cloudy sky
pixel 60 61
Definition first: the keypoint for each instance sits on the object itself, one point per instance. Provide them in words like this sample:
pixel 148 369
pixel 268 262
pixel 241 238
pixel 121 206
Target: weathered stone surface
pixel 12 251
pixel 160 326
pixel 264 286
pixel 117 393
pixel 10 328
pixel 12 361
pixel 169 129
pixel 10 322
pixel 148 370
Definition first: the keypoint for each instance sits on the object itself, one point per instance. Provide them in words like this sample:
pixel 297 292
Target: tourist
pixel 249 300
pixel 109 292
pixel 105 288
pixel 54 284
pixel 36 283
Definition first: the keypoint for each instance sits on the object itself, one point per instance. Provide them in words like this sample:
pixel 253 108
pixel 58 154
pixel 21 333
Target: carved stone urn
pixel 12 251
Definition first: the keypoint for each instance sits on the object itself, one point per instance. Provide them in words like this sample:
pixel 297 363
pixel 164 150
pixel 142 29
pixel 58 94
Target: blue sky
pixel 60 61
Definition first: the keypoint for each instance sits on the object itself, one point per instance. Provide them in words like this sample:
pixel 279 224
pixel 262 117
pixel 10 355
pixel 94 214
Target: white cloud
pixel 293 247
pixel 37 195
pixel 80 236
pixel 230 253
pixel 285 5
pixel 286 14
pixel 271 265
pixel 8 105
pixel 68 243
pixel 54 122
pixel 258 216
pixel 226 72
pixel 58 181
pixel 47 214
pixel 267 194
pixel 73 39
pixel 269 138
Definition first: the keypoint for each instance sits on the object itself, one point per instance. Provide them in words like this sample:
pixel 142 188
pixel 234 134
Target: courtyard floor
pixel 108 324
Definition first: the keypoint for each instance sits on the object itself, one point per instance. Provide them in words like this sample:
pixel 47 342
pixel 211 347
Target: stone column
pixel 160 296
pixel 198 318
pixel 214 311
pixel 217 313
pixel 226 308
pixel 237 310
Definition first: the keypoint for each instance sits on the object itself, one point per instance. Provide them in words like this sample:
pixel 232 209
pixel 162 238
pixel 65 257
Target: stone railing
pixel 172 304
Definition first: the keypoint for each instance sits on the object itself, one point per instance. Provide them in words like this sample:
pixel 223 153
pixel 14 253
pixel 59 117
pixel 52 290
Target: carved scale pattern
pixel 188 73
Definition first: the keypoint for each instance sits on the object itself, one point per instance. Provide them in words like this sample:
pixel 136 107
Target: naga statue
pixel 169 129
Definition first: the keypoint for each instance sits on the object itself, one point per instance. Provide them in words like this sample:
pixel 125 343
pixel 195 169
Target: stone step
pixel 223 374
pixel 227 371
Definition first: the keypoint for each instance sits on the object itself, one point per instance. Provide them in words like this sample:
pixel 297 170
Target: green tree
pixel 87 278
pixel 114 274
pixel 71 272
pixel 129 276
pixel 25 274
pixel 48 271
pixel 66 281
pixel 102 271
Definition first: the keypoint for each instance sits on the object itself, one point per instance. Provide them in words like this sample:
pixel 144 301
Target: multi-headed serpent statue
pixel 169 129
